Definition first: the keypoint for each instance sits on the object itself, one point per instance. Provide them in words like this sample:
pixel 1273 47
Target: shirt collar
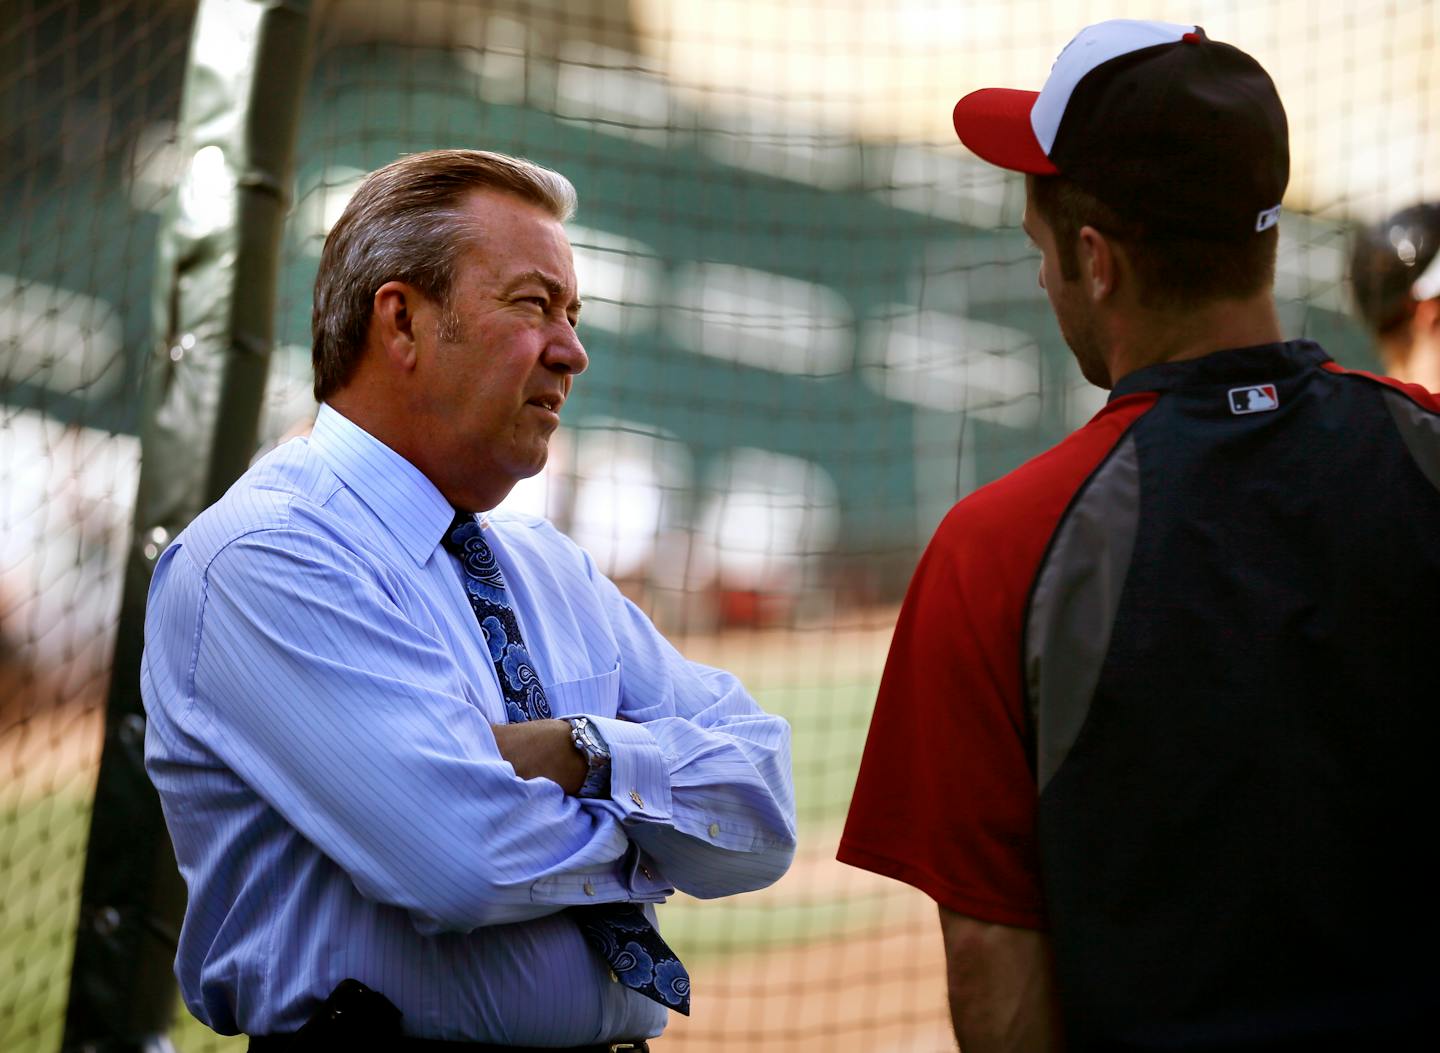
pixel 404 500
pixel 1259 363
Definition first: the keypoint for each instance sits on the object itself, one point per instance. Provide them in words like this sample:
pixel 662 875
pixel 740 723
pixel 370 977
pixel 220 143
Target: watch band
pixel 591 744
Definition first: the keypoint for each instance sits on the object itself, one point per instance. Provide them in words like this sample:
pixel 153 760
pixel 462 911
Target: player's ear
pixel 392 323
pixel 1099 264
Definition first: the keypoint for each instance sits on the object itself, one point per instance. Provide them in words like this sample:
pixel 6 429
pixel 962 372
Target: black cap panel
pixel 1187 138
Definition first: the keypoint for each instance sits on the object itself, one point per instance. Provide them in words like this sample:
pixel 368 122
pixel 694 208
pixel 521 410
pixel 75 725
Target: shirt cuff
pixel 621 882
pixel 639 773
pixel 642 874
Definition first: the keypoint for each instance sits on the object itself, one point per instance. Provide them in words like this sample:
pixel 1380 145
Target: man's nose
pixel 565 353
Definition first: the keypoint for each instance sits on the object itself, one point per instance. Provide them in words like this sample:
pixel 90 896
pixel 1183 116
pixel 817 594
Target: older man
pixel 417 759
pixel 1156 728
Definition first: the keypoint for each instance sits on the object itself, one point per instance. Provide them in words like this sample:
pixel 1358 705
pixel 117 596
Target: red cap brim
pixel 995 124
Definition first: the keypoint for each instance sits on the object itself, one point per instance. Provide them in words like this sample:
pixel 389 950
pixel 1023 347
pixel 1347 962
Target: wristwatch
pixel 591 744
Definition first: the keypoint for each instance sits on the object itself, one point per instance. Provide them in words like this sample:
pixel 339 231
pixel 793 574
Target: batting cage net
pixel 89 91
pixel 813 324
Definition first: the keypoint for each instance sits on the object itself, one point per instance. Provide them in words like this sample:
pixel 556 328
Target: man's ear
pixel 392 323
pixel 1099 264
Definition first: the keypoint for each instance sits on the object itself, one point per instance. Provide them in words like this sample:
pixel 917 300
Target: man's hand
pixel 1002 987
pixel 542 749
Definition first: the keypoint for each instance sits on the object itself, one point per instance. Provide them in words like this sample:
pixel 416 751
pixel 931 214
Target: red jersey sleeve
pixel 945 799
pixel 1426 399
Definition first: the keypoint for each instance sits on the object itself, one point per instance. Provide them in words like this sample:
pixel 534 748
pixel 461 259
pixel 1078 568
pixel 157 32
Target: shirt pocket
pixel 597 696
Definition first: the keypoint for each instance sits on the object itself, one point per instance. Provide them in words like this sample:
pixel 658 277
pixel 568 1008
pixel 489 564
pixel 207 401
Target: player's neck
pixel 1419 364
pixel 1143 338
pixel 1412 353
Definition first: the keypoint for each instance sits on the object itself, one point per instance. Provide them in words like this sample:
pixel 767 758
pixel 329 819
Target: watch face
pixel 593 742
pixel 589 743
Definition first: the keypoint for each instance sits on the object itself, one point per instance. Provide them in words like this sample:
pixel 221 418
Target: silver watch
pixel 591 744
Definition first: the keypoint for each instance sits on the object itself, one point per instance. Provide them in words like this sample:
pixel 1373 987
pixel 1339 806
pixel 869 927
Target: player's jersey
pixel 1164 691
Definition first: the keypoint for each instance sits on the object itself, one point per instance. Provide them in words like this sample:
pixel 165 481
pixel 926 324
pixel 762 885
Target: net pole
pixel 213 309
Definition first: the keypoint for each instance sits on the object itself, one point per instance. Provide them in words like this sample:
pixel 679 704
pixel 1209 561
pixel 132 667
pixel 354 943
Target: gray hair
pixel 406 223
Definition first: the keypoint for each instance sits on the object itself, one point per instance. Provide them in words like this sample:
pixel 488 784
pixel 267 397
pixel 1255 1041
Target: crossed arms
pixel 317 681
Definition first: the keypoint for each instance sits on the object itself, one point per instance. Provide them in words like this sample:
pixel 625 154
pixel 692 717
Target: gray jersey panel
pixel 1420 428
pixel 1074 603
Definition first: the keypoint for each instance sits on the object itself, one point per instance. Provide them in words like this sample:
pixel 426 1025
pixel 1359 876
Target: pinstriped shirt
pixel 320 699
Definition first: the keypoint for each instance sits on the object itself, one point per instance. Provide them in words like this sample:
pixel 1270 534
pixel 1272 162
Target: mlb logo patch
pixel 1255 399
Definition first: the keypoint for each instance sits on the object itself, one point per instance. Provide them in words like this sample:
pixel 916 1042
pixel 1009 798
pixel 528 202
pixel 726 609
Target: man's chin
pixel 1092 366
pixel 539 461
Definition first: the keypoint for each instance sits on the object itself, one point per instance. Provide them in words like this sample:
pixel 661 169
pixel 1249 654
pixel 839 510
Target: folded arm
pixel 700 775
pixel 542 749
pixel 307 680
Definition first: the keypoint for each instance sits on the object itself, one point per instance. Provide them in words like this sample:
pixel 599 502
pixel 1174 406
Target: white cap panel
pixel 1092 46
pixel 1427 286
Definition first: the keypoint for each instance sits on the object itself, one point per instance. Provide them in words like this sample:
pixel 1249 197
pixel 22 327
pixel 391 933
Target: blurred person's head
pixel 444 316
pixel 1155 160
pixel 1395 275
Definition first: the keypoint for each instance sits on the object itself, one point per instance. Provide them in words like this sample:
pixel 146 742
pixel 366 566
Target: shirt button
pixel 714 829
pixel 635 796
pixel 646 871
pixel 589 889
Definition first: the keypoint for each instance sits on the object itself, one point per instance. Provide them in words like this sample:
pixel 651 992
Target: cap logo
pixel 1258 398
pixel 1267 218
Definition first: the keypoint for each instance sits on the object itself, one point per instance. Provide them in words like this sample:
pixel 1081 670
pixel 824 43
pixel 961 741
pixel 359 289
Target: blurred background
pixel 813 325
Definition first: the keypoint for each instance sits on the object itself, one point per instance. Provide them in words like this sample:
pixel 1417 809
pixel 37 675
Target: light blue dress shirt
pixel 320 700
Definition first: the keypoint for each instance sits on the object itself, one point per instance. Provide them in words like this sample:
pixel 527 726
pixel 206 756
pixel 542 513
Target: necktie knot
pixel 462 529
pixel 465 540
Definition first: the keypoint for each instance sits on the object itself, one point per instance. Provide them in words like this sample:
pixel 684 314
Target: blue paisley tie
pixel 621 932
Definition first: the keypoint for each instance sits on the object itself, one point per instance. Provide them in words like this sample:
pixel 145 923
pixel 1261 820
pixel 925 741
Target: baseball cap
pixel 1169 128
pixel 1395 264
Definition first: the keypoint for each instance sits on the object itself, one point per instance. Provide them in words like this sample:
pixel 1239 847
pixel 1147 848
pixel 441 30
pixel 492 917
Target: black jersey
pixel 1228 651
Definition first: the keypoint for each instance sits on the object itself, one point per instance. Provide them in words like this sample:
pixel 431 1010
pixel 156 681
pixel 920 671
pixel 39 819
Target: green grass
pixel 42 846
pixel 43 840
pixel 827 725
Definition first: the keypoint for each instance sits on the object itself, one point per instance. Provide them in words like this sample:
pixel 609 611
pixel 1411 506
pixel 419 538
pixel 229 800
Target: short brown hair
pixel 404 223
pixel 1173 272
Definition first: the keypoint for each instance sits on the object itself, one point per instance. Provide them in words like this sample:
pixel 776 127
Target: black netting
pixel 89 92
pixel 813 323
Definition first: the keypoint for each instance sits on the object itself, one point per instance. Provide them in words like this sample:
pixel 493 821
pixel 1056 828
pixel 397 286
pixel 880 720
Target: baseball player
pixel 1155 729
